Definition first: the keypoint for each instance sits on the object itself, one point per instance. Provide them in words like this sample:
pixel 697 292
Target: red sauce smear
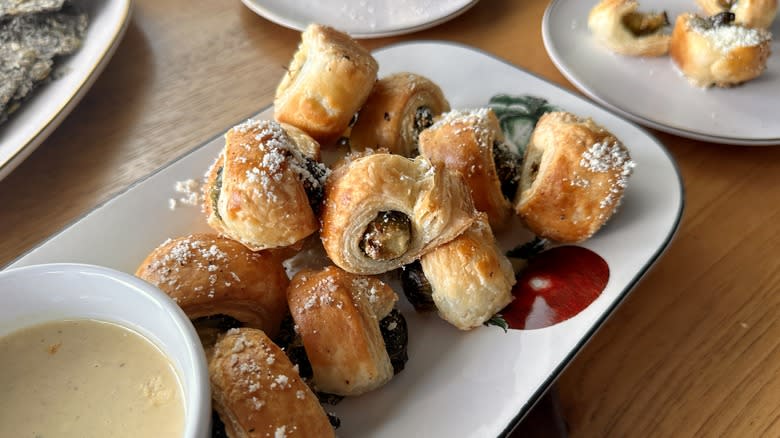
pixel 557 284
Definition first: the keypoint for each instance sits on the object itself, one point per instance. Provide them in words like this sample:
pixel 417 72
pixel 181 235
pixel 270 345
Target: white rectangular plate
pixel 466 384
pixel 38 116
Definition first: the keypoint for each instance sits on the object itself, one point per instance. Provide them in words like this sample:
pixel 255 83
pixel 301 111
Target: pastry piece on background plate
pixel 751 13
pixel 218 281
pixel 383 211
pixel 353 338
pixel 328 80
pixel 467 280
pixel 23 7
pixel 471 143
pixel 262 190
pixel 399 107
pixel 715 51
pixel 257 391
pixel 573 179
pixel 618 25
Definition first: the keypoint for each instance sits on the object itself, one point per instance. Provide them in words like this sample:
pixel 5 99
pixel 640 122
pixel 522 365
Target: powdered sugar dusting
pixel 250 363
pixel 189 253
pixel 362 287
pixel 474 120
pixel 728 37
pixel 606 156
pixel 279 153
pixel 190 191
pixel 322 294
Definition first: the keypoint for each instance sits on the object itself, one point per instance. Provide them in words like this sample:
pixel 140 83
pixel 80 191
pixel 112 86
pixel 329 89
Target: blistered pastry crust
pixel 608 23
pixel 574 175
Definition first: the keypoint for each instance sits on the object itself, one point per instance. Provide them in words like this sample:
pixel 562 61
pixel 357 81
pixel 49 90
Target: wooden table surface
pixel 694 350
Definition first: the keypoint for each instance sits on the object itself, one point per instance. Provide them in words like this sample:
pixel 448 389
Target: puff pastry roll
pixel 257 392
pixel 337 316
pixel 574 175
pixel 470 278
pixel 716 51
pixel 750 13
pixel 329 78
pixel 383 210
pixel 208 275
pixel 618 25
pixel 472 144
pixel 303 142
pixel 399 107
pixel 262 190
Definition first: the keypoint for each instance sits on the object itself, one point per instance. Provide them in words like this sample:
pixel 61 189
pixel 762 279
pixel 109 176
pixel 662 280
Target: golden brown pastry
pixel 619 26
pixel 303 142
pixel 337 315
pixel 399 107
pixel 382 211
pixel 574 175
pixel 472 144
pixel 751 13
pixel 261 189
pixel 209 275
pixel 329 78
pixel 470 277
pixel 258 393
pixel 715 51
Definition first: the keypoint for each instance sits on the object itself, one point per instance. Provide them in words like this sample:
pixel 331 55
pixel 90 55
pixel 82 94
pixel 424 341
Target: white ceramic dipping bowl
pixel 36 294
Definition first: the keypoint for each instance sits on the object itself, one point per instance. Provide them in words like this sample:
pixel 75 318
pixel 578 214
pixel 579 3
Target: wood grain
pixel 694 350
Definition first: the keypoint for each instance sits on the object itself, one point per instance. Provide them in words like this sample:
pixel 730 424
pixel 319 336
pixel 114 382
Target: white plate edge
pixel 556 59
pixel 254 6
pixel 67 105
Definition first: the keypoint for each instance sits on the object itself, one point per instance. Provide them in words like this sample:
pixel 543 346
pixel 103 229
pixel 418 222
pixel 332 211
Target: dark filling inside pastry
pixel 641 24
pixel 396 337
pixel 215 192
pixel 417 288
pixel 334 420
pixel 531 166
pixel 314 183
pixel 423 118
pixel 217 426
pixel 534 168
pixel 210 327
pixel 508 169
pixel 388 236
pixel 394 333
pixel 722 19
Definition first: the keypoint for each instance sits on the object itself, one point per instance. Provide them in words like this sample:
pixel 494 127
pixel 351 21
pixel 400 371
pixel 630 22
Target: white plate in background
pixel 50 103
pixel 361 18
pixel 465 384
pixel 653 92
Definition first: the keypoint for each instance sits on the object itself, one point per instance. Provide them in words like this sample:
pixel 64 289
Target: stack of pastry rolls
pixel 420 190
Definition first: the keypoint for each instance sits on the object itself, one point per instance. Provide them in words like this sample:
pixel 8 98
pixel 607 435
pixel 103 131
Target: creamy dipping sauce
pixel 86 378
